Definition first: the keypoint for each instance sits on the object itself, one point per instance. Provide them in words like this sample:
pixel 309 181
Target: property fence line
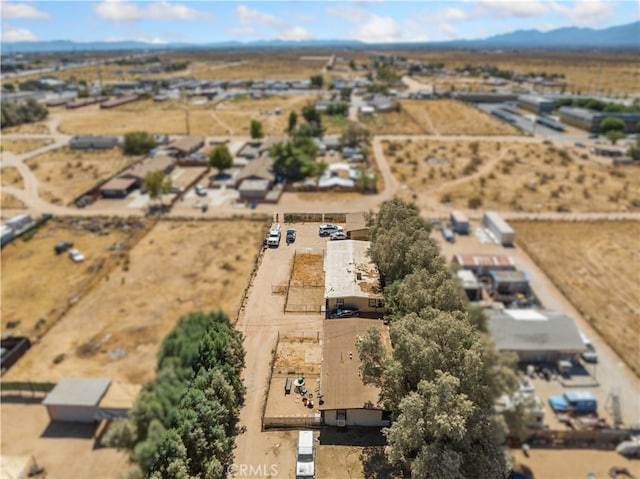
pixel 314 217
pixel 28 386
pixel 302 308
pixel 293 284
pixel 291 422
pixel 299 335
pixel 596 439
pixel 272 363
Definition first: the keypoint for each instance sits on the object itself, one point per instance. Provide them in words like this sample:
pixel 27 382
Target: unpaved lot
pixel 64 450
pixel 10 202
pixel 452 117
pixel 22 146
pixel 38 286
pixel 596 267
pixel 115 329
pixel 65 174
pixel 392 123
pixel 524 175
pixel 11 177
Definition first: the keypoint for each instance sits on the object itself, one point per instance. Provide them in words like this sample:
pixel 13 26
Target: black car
pixel 63 246
pixel 344 313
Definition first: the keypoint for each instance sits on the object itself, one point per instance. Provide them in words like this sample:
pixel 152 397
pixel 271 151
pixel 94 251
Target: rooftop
pixel 356 221
pixel 340 380
pixel 487 260
pixel 534 330
pixel 349 272
pixel 187 144
pixel 78 392
pixel 504 276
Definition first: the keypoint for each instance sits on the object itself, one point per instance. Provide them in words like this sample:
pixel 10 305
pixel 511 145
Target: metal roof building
pixel 536 104
pixel 76 399
pixel 535 335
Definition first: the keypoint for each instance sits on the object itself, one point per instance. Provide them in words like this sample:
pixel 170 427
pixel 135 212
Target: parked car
pixel 63 246
pixel 344 313
pixel 339 235
pixel 448 234
pixel 574 402
pixel 76 256
pixel 201 190
pixel 326 230
pixel 291 235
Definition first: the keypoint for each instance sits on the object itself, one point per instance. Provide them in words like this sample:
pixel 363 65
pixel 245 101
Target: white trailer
pixel 499 227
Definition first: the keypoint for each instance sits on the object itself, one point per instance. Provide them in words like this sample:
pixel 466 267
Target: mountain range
pixel 617 37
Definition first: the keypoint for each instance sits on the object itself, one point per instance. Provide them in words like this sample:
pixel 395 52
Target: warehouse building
pixel 502 232
pixel 536 104
pixel 535 336
pixel 590 119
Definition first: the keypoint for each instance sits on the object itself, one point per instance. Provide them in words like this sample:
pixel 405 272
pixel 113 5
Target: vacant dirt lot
pixel 596 266
pixel 265 66
pixel 65 174
pixel 38 286
pixel 22 146
pixel 10 202
pixel 34 128
pixel 451 117
pixel 392 123
pixel 115 329
pixel 523 176
pixel 11 177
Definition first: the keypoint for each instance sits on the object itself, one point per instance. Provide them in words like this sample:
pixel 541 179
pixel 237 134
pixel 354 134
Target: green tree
pixel 614 135
pixel 310 114
pixel 611 124
pixel 354 135
pixel 83 93
pixel 345 94
pixel 220 158
pixel 138 143
pixel 157 183
pixel 293 120
pixel 634 150
pixel 257 131
pixel 317 81
pixel 8 86
pixel 295 160
pixel 352 64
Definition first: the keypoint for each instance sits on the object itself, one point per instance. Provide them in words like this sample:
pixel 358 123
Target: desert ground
pixel 10 202
pixel 11 177
pixel 22 146
pixel 392 123
pixel 65 174
pixel 115 328
pixel 595 265
pixel 521 176
pixel 452 117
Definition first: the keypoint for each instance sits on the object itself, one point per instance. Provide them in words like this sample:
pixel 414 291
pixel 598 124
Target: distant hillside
pixel 621 36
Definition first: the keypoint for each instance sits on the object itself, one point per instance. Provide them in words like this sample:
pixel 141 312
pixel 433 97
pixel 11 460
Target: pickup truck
pixel 275 232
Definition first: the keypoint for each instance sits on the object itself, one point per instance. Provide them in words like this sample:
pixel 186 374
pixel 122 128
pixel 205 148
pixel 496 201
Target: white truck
pixel 275 232
pixel 305 456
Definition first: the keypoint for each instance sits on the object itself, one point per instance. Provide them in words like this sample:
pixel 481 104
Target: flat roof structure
pixel 78 392
pixel 149 164
pixel 485 260
pixel 349 271
pixel 340 380
pixel 508 276
pixel 118 184
pixel 469 280
pixel 356 221
pixel 188 144
pixel 524 330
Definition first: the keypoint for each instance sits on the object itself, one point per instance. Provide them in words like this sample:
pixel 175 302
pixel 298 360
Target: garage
pixel 76 399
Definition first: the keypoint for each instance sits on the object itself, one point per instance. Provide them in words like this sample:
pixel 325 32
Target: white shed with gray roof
pixel 76 399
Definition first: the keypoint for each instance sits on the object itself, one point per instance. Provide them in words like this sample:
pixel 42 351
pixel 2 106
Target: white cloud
pixel 15 34
pixel 294 33
pixel 118 10
pixel 455 14
pixel 379 29
pixel 349 13
pixel 586 14
pixel 247 16
pixel 448 31
pixel 20 10
pixel 511 9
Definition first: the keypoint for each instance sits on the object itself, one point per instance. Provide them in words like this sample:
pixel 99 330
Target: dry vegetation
pixel 451 117
pixel 11 177
pixel 392 123
pixel 65 174
pixel 522 176
pixel 595 265
pixel 39 128
pixel 10 202
pixel 23 146
pixel 115 328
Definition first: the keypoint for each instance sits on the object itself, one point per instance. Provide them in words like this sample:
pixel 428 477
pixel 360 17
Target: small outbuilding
pixel 480 264
pixel 76 399
pixel 508 282
pixel 118 187
pixel 459 222
pixel 186 145
pixel 357 228
pixel 88 142
pixel 472 287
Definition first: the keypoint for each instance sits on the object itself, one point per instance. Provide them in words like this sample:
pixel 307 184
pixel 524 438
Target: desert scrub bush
pixel 474 202
pixel 446 198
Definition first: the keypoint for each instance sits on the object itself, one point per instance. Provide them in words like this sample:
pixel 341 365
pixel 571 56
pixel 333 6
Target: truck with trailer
pixel 503 233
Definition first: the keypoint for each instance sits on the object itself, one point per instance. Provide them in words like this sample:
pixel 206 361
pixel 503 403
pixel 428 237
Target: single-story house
pixel 351 278
pixel 88 142
pixel 367 110
pixel 259 169
pixel 76 399
pixel 382 103
pixel 480 264
pixel 357 228
pixel 118 187
pixel 347 401
pixel 535 335
pixel 139 170
pixel 186 145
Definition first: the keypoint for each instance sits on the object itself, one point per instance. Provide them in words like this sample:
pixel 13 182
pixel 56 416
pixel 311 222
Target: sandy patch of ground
pixel 10 202
pixel 11 176
pixel 523 176
pixel 596 266
pixel 38 286
pixel 451 117
pixel 23 146
pixel 27 128
pixel 392 123
pixel 65 174
pixel 115 329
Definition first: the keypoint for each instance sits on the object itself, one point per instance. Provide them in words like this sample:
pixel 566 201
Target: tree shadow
pixel 335 436
pixel 375 464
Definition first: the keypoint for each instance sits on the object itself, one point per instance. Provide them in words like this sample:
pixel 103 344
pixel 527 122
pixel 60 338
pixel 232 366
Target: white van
pixel 305 457
pixel 590 355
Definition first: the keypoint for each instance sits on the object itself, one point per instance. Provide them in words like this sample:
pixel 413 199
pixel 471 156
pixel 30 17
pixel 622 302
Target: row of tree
pixel 183 423
pixel 597 105
pixel 442 376
pixel 29 111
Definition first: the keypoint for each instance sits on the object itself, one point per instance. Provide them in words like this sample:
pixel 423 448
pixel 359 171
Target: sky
pixel 378 21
